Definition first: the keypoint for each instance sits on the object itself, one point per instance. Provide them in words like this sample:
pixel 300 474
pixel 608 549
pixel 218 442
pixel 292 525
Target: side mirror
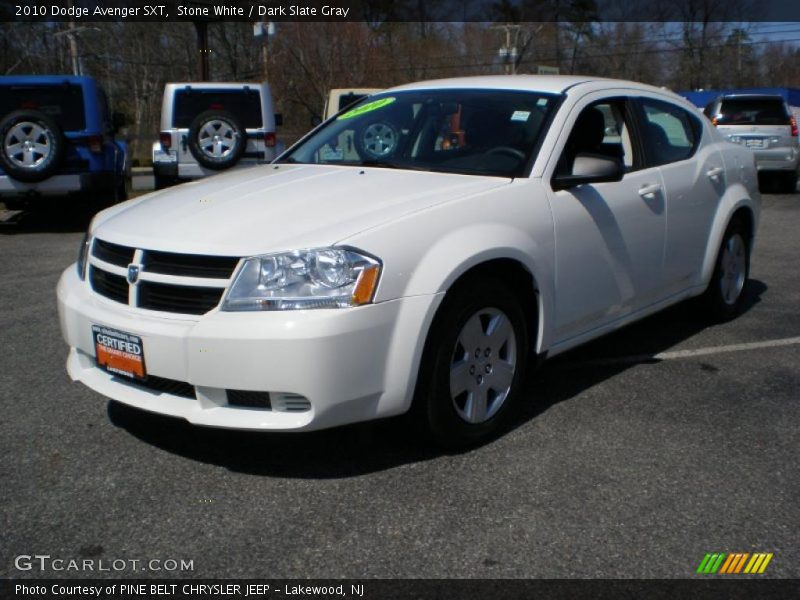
pixel 278 119
pixel 590 168
pixel 315 121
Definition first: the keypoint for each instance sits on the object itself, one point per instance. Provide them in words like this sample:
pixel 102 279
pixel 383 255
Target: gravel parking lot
pixel 635 456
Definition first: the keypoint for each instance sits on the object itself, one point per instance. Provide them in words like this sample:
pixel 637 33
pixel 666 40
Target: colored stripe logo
pixel 734 563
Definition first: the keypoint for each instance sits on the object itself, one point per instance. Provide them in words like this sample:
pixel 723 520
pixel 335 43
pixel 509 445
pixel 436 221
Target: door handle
pixel 649 189
pixel 715 172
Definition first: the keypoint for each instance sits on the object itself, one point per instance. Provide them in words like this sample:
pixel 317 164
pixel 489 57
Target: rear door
pixel 679 143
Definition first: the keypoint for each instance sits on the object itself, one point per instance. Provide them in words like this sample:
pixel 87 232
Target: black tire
pixel 789 183
pixel 47 134
pixel 232 139
pixel 122 190
pixel 377 140
pixel 436 408
pixel 163 181
pixel 720 301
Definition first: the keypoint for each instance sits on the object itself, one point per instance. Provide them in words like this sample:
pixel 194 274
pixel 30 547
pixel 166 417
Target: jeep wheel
pixel 217 139
pixel 31 145
pixel 377 140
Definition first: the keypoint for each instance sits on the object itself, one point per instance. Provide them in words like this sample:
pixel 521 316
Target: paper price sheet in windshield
pixel 137 589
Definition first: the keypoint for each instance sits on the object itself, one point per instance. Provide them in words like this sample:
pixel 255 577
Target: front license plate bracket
pixel 119 352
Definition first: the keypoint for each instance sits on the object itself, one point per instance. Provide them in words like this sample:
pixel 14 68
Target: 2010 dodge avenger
pixel 416 250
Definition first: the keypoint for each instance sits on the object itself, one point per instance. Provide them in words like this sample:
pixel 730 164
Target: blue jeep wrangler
pixel 57 138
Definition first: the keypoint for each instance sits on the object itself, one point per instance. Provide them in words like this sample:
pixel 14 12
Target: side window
pixel 670 133
pixel 601 128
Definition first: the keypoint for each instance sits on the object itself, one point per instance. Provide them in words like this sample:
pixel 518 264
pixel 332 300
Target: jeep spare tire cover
pixel 32 145
pixel 217 139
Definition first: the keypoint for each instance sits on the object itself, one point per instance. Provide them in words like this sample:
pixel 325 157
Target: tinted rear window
pixel 245 104
pixel 753 111
pixel 62 103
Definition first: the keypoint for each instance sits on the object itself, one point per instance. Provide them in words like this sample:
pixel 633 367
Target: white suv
pixel 504 218
pixel 210 127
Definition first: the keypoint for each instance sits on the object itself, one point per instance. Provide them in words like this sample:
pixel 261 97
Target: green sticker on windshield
pixel 365 108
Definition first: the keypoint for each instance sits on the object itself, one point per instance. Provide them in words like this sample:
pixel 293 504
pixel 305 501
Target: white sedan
pixel 417 250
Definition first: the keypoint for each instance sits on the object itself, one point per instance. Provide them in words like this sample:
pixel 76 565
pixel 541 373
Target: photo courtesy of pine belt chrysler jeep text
pixel 414 252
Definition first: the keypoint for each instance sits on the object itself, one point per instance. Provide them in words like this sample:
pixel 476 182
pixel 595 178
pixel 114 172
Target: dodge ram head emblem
pixel 133 274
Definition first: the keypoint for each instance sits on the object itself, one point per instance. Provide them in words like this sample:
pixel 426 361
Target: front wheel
pixel 473 365
pixel 724 297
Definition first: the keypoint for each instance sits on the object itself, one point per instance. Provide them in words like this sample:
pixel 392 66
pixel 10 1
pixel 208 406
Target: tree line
pixel 303 61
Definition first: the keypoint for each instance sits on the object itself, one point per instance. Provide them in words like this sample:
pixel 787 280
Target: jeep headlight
pixel 304 279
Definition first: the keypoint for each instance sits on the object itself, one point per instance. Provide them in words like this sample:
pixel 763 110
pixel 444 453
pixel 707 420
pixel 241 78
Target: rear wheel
pixel 31 145
pixel 473 365
pixel 122 191
pixel 724 297
pixel 163 181
pixel 789 183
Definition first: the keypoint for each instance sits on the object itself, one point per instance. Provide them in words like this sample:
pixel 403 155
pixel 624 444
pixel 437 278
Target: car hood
pixel 273 208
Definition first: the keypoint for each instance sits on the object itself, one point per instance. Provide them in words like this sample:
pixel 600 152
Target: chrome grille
pixel 189 284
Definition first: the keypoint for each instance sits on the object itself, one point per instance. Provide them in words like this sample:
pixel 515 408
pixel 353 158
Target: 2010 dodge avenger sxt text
pixel 416 249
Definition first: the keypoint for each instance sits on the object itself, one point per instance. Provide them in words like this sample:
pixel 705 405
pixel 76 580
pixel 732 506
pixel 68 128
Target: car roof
pixel 44 79
pixel 218 85
pixel 554 84
pixel 752 97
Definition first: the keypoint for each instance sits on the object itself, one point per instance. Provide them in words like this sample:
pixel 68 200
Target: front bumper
pixel 350 364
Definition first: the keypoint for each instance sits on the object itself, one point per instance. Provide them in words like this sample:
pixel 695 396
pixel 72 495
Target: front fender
pixel 459 251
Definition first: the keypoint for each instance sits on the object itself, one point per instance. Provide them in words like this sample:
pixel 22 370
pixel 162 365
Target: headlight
pixel 303 279
pixel 83 253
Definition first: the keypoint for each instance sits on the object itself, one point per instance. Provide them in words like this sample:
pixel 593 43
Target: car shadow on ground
pixel 364 448
pixel 53 219
pixel 567 375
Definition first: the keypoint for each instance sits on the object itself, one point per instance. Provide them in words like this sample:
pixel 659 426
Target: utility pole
pixel 73 46
pixel 202 50
pixel 263 32
pixel 508 53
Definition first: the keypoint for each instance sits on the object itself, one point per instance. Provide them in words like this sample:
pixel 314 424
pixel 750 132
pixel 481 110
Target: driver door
pixel 609 237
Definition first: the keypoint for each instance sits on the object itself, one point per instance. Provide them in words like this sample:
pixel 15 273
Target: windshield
pixel 481 132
